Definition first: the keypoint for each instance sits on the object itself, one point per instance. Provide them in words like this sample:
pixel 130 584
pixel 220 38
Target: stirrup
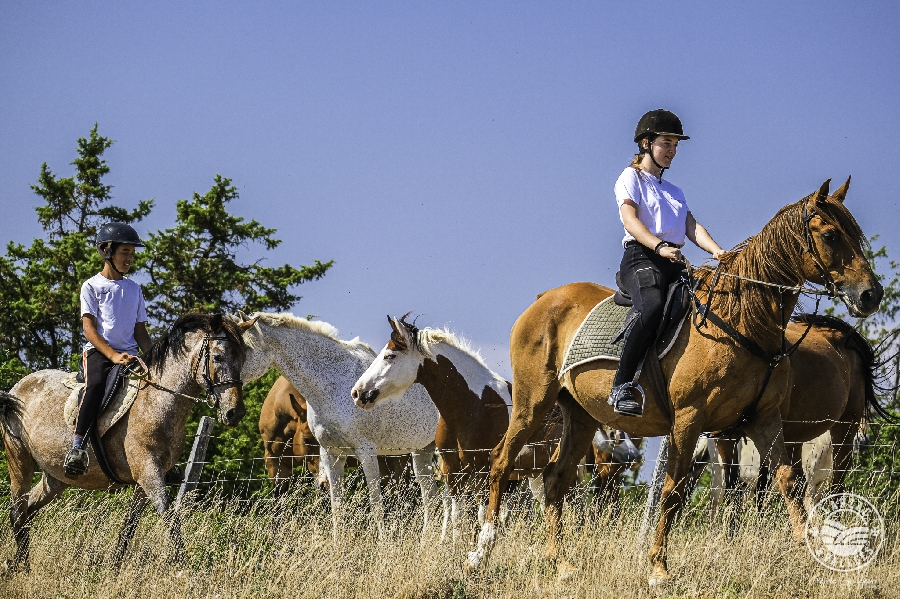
pixel 621 398
pixel 77 462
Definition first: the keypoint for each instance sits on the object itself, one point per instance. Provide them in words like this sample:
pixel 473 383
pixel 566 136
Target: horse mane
pixel 428 337
pixel 173 343
pixel 317 327
pixel 772 255
pixel 871 358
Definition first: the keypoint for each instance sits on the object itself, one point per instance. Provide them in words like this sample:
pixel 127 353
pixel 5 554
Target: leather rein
pixel 205 357
pixel 771 359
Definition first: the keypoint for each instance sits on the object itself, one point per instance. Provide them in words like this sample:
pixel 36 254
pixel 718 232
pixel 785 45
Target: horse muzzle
pixel 364 399
pixel 865 301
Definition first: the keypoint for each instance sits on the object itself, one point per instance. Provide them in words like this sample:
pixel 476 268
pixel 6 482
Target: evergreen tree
pixel 194 265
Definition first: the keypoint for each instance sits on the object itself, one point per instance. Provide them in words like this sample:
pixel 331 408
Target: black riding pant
pixel 646 277
pixel 96 367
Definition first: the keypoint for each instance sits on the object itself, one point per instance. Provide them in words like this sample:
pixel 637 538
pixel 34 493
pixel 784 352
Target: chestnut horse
pixel 833 390
pixel 287 439
pixel 198 352
pixel 611 455
pixel 472 401
pixel 717 380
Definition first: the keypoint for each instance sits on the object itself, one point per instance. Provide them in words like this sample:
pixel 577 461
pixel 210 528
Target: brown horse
pixel 472 400
pixel 611 455
pixel 199 352
pixel 833 389
pixel 288 441
pixel 715 382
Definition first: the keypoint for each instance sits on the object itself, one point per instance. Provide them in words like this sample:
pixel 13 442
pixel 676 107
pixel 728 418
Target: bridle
pixel 771 359
pixel 213 388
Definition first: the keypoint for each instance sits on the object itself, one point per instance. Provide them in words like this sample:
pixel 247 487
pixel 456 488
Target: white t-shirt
pixel 117 306
pixel 661 205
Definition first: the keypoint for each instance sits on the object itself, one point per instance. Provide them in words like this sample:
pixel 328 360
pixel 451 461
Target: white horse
pixel 323 369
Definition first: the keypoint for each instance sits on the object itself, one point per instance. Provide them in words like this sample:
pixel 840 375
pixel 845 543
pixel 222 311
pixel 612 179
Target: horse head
pixel 394 370
pixel 257 358
pixel 834 251
pixel 217 367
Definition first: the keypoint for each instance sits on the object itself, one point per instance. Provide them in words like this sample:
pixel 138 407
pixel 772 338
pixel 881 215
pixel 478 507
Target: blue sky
pixel 454 159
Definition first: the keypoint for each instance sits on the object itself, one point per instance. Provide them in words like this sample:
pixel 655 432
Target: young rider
pixel 114 319
pixel 656 219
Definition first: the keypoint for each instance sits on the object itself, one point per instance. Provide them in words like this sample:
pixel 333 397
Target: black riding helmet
pixel 118 233
pixel 655 123
pixel 659 122
pixel 110 235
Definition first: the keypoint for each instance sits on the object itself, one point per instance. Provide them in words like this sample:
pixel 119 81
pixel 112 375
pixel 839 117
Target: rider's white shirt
pixel 661 205
pixel 117 306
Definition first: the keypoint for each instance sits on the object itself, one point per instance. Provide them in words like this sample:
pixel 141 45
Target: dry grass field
pixel 233 550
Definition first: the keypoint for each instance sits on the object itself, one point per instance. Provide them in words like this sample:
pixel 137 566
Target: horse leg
pixel 526 416
pixel 333 465
pixel 369 462
pixel 152 482
pixel 139 501
pixel 767 433
pixel 21 466
pixel 423 469
pixel 682 442
pixel 842 435
pixel 559 476
pixel 731 496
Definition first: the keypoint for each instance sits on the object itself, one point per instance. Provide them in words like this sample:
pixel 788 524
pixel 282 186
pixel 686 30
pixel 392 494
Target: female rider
pixel 656 220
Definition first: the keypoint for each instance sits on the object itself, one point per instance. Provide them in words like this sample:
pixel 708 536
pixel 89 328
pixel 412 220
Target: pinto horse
pixel 729 369
pixel 473 403
pixel 199 352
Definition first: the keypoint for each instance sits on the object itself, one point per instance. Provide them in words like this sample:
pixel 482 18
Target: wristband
pixel 660 245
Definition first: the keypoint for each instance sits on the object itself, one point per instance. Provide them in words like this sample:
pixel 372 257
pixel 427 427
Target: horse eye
pixel 830 236
pixel 389 356
pixel 218 358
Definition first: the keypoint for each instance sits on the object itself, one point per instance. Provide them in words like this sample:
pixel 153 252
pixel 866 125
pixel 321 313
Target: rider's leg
pixel 96 367
pixel 646 281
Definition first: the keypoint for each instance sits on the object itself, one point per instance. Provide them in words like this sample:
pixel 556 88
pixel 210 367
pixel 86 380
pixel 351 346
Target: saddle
pixel 602 333
pixel 118 397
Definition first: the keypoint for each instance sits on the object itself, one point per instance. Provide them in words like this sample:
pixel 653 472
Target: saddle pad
pixel 118 406
pixel 593 340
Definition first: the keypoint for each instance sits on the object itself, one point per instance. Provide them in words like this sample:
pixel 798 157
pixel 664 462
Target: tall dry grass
pixel 234 550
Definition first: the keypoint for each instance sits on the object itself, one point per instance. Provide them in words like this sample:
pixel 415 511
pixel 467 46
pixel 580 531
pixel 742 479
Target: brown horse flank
pixel 832 389
pixel 713 379
pixel 199 352
pixel 287 439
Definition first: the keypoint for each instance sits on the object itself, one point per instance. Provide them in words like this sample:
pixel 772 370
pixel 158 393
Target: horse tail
pixel 11 409
pixel 873 360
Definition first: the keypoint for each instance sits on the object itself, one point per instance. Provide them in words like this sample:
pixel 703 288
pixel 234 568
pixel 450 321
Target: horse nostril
pixel 354 394
pixel 868 297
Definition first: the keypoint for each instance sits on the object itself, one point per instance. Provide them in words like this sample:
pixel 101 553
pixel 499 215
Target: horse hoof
pixel 565 571
pixel 658 578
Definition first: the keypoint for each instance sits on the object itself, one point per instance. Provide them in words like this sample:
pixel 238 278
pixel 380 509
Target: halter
pixel 212 395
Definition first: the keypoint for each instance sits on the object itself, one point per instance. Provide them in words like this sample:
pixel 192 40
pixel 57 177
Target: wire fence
pixel 873 472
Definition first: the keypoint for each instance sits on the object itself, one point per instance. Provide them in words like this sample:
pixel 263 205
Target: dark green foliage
pixel 193 266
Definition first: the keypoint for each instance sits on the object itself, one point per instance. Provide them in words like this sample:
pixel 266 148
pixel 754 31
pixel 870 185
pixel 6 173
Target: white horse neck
pixel 322 368
pixel 472 368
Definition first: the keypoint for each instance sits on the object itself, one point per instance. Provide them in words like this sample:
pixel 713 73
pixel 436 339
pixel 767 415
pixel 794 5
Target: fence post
pixel 654 491
pixel 196 460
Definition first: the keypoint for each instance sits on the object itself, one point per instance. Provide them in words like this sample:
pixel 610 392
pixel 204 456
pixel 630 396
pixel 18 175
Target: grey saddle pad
pixel 118 405
pixel 593 340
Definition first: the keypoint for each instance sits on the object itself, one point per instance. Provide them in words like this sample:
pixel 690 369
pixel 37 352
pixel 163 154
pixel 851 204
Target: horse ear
pixel 242 316
pixel 247 324
pixel 216 323
pixel 841 191
pixel 822 194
